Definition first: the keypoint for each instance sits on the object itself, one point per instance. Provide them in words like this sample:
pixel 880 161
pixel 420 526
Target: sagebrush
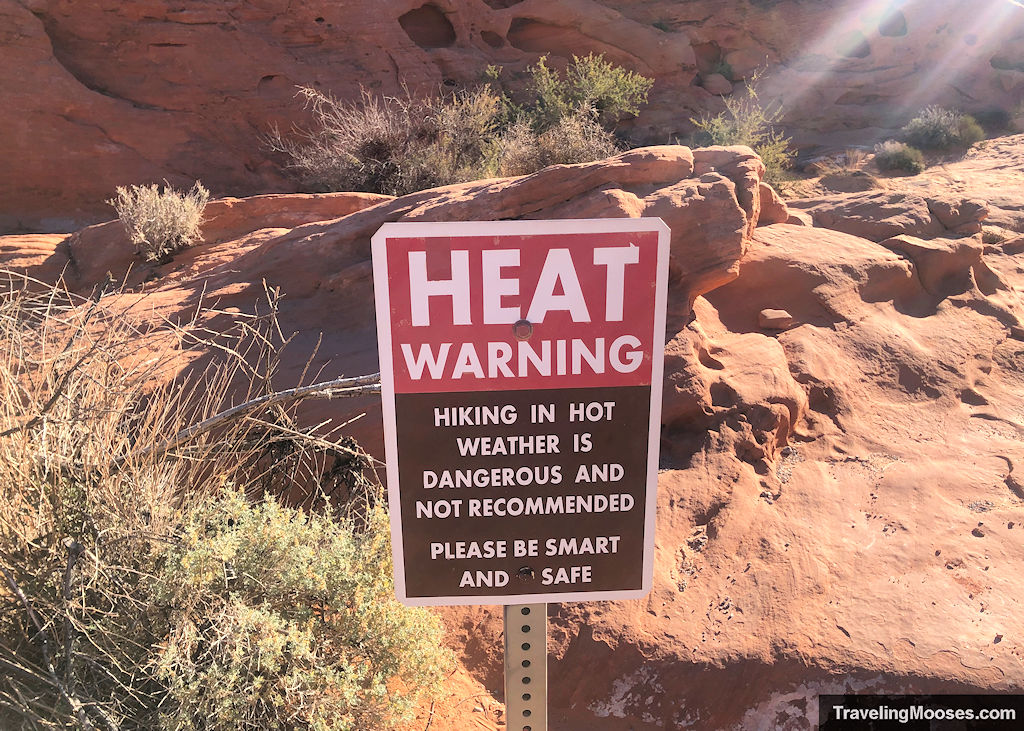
pixel 161 221
pixel 748 121
pixel 574 138
pixel 150 576
pixel 938 128
pixel 401 144
pixel 893 155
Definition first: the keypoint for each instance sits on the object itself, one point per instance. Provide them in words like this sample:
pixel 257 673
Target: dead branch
pixel 338 388
pixel 45 641
pixel 65 377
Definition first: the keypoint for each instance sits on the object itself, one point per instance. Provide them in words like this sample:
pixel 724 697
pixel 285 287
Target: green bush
pixel 138 588
pixel 161 222
pixel 937 128
pixel 746 121
pixel 591 86
pixel 574 138
pixel 400 145
pixel 892 155
pixel 281 620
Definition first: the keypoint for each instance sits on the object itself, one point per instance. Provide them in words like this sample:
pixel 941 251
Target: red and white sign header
pixel 521 304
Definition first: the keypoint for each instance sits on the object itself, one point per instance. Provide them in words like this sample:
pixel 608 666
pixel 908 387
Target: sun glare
pixel 876 37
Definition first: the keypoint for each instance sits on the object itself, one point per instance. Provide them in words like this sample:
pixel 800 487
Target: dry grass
pixel 575 138
pixel 394 144
pixel 852 160
pixel 122 525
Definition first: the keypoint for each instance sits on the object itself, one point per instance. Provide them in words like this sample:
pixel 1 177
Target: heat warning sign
pixel 521 367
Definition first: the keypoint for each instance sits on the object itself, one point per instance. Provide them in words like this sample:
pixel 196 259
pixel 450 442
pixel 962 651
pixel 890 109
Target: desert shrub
pixel 591 85
pixel 398 145
pixel 574 138
pixel 892 155
pixel 282 619
pixel 747 121
pixel 161 222
pixel 138 588
pixel 939 129
pixel 393 145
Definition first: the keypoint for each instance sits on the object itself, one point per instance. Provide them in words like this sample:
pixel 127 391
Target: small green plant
pixel 287 620
pixel 591 84
pixel 161 222
pixel 937 128
pixel 892 155
pixel 724 68
pixel 746 121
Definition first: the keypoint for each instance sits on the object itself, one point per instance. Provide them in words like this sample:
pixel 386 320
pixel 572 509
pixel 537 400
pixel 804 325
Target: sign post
pixel 521 372
pixel 526 667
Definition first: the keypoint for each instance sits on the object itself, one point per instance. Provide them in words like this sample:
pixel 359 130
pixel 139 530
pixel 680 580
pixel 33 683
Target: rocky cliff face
pixel 107 93
pixel 840 500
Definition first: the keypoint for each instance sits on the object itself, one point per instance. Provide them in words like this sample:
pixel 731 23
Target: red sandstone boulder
pixel 879 215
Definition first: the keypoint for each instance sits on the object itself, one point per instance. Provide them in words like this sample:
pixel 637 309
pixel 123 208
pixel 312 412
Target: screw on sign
pixel 521 371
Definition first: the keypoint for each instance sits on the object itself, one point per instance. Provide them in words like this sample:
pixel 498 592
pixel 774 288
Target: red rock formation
pixel 107 93
pixel 840 504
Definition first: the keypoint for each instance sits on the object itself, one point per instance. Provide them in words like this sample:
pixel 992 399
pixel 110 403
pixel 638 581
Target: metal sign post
pixel 526 667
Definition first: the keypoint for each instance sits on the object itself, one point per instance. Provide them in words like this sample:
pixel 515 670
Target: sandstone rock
pixel 717 84
pixel 308 246
pixel 883 369
pixel 230 218
pixel 108 93
pixel 806 475
pixel 883 214
pixel 773 208
pixel 775 319
pixel 743 167
pixel 946 267
pixel 799 218
pixel 959 215
pixel 987 175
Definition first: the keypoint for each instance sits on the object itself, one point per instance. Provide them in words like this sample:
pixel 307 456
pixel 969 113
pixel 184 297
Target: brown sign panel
pixel 521 368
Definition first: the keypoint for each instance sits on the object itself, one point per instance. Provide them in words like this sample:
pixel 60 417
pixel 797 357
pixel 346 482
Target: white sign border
pixel 382 299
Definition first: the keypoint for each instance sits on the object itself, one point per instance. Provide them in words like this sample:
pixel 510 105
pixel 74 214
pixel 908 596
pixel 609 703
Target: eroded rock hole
pixel 492 39
pixel 894 25
pixel 428 27
pixel 854 45
pixel 723 396
pixel 1002 62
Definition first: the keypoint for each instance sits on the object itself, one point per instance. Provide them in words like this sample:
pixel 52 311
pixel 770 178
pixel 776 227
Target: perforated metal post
pixel 526 667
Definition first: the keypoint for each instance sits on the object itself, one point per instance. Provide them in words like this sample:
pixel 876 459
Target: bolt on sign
pixel 521 371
